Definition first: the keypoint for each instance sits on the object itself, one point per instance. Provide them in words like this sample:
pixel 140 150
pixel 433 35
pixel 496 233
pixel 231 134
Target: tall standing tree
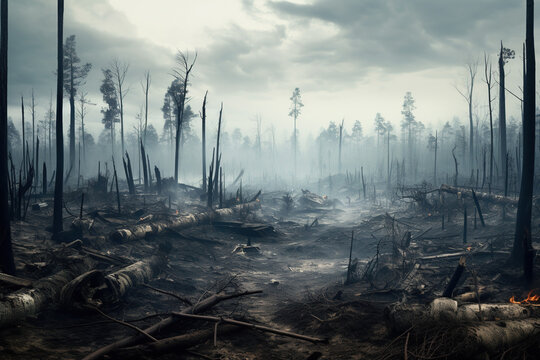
pixel 119 71
pixel 203 123
pixel 145 87
pixel 487 78
pixel 59 182
pixel 181 76
pixel 522 251
pixel 73 77
pixel 296 106
pixel 82 112
pixel 7 263
pixel 472 68
pixel 168 117
pixel 408 123
pixel 110 97
pixel 504 55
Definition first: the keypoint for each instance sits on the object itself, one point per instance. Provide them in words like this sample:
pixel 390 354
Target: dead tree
pixel 59 184
pixel 23 134
pixel 468 96
pixel 522 252
pixel 218 155
pixel 44 184
pixel 145 167
pixel 7 264
pixel 116 182
pixel 435 160
pixel 145 87
pixel 203 119
pixel 504 55
pixel 119 72
pixel 456 165
pixel 181 74
pixel 487 79
pixel 340 143
pixel 158 179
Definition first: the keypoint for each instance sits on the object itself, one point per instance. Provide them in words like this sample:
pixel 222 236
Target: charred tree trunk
pixel 145 167
pixel 158 179
pixel 116 183
pixel 44 178
pixel 72 122
pixel 456 166
pixel 7 264
pixel 340 143
pixel 131 183
pixel 522 249
pixel 435 160
pixel 502 114
pixel 218 155
pixel 23 134
pixel 59 184
pixel 203 119
pixel 487 74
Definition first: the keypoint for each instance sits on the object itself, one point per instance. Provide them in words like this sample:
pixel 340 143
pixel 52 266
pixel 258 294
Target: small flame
pixel 530 298
pixel 469 248
pixel 176 212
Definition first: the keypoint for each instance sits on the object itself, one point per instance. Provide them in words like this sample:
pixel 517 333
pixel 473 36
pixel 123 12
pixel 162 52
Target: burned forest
pixel 264 179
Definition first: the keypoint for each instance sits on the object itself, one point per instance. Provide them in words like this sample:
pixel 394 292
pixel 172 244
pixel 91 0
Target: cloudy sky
pixel 350 58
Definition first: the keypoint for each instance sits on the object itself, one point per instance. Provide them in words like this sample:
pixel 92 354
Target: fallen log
pixel 498 199
pixel 14 281
pixel 188 340
pixel 181 222
pixel 492 336
pixel 138 273
pixel 195 309
pixel 24 303
pixel 403 316
pixel 251 326
pixel 170 344
pixel 95 289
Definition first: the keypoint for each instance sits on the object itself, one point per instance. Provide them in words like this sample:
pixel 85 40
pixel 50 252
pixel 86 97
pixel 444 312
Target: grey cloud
pixel 400 36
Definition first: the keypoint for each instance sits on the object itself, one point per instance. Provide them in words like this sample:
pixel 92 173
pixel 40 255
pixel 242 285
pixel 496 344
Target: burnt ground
pixel 301 268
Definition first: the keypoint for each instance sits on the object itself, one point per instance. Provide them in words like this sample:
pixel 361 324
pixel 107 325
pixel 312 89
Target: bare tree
pixel 296 105
pixel 203 120
pixel 7 263
pixel 522 251
pixel 504 55
pixel 82 112
pixel 487 79
pixel 181 73
pixel 468 96
pixel 145 87
pixel 119 72
pixel 59 183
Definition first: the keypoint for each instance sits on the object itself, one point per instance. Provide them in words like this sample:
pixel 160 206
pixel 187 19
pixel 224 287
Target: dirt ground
pixel 300 266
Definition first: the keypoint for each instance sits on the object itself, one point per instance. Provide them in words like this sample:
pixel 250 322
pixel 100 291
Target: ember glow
pixel 531 298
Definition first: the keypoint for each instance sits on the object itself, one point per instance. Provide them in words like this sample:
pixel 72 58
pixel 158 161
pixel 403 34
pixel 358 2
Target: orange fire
pixel 469 248
pixel 531 298
pixel 176 212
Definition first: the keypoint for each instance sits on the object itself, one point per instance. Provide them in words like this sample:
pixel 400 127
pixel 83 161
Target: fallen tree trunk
pixel 402 317
pixel 492 336
pixel 95 289
pixel 498 199
pixel 168 345
pixel 195 309
pixel 181 222
pixel 24 303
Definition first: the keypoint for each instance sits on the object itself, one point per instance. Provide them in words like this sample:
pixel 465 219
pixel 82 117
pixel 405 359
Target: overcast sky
pixel 350 58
